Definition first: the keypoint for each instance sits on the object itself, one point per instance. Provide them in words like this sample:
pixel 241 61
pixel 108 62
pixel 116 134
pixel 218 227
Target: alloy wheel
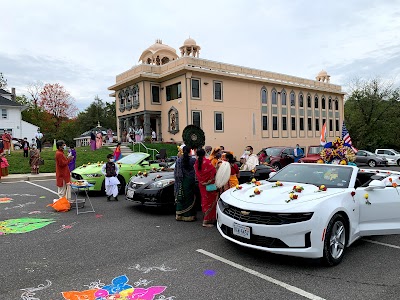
pixel 337 240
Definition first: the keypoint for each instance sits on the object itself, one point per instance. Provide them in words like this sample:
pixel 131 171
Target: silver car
pixel 364 157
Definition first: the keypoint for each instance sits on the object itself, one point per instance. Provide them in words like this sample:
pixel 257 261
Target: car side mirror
pixel 145 163
pixel 271 174
pixel 375 184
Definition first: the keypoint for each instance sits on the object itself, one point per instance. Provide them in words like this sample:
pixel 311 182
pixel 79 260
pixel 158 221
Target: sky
pixel 84 44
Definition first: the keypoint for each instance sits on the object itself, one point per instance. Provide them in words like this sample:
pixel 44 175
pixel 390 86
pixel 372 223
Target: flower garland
pixel 337 152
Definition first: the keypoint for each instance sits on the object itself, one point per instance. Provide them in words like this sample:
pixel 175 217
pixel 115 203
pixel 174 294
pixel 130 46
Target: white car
pixel 392 156
pixel 311 210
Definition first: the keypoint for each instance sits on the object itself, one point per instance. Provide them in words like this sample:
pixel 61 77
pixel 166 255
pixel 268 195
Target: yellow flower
pixel 253 180
pixel 88 163
pixel 322 187
pixel 366 196
pixel 343 162
pixel 291 195
pixel 320 161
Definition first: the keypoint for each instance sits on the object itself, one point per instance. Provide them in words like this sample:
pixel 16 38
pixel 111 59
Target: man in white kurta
pixel 111 170
pixel 251 161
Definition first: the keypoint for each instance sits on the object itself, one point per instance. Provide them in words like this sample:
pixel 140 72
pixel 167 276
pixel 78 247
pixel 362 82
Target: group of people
pixel 136 135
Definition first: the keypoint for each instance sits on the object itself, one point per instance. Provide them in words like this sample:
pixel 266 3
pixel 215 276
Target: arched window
pixel 309 101
pixel 264 96
pixel 330 104
pixel 323 103
pixel 165 60
pixel 316 100
pixel 301 100
pixel 336 104
pixel 292 97
pixel 273 95
pixel 283 98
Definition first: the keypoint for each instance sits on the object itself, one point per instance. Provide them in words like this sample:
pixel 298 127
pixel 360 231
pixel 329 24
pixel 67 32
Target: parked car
pixel 370 159
pixel 313 154
pixel 311 210
pixel 157 188
pixel 128 166
pixel 279 156
pixel 17 143
pixel 392 156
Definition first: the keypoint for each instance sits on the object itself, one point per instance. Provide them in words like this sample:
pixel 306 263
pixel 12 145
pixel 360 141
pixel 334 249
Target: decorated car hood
pixel 278 196
pixel 151 177
pixel 92 168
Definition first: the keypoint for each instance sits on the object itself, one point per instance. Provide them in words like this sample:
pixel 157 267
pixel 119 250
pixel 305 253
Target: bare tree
pixel 34 89
pixel 3 81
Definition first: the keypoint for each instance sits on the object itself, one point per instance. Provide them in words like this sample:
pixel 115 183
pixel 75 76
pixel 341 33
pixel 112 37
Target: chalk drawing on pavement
pixel 29 293
pixel 5 200
pixel 23 225
pixel 146 270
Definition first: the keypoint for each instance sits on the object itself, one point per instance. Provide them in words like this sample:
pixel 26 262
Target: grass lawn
pixel 172 149
pixel 20 164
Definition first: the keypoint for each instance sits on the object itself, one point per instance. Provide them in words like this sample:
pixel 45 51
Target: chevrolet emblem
pixel 244 213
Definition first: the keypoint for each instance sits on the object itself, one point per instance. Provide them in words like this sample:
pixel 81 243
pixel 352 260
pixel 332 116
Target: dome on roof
pixel 322 73
pixel 158 54
pixel 189 42
pixel 323 76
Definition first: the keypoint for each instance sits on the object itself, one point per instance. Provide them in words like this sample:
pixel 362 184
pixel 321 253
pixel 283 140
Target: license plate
pixel 241 230
pixel 130 193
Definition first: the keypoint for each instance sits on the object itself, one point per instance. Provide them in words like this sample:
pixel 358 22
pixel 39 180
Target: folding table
pixel 77 202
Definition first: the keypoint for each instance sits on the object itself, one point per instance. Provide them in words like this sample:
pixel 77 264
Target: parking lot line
pixel 286 286
pixel 382 244
pixel 43 187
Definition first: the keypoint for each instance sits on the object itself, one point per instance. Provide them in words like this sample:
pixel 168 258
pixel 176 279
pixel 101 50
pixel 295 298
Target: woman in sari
pixel 99 140
pixel 234 178
pixel 92 141
pixel 34 159
pixel 184 187
pixel 205 173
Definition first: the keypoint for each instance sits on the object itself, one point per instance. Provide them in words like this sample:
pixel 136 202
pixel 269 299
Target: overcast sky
pixel 84 44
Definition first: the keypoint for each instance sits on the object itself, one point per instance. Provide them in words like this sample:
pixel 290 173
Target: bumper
pixel 392 162
pixel 303 239
pixel 149 197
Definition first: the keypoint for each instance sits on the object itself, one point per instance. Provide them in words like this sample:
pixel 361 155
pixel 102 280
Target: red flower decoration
pixel 353 193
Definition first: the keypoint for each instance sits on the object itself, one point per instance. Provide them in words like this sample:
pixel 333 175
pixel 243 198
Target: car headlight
pixel 93 175
pixel 160 183
pixel 222 204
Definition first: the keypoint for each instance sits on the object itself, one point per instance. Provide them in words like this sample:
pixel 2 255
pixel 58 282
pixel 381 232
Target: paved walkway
pixel 27 177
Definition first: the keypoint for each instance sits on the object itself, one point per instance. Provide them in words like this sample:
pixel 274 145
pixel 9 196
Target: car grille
pixel 76 176
pixel 265 218
pixel 257 240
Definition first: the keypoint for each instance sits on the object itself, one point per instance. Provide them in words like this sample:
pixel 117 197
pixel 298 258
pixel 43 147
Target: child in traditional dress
pixel 110 170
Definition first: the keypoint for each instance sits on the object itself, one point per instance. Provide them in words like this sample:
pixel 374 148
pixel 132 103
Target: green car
pixel 129 166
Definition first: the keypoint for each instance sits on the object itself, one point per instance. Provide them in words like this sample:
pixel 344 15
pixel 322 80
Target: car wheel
pixel 276 166
pixel 121 186
pixel 372 163
pixel 335 241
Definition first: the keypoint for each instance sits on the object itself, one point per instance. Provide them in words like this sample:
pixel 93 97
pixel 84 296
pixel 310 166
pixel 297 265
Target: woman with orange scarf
pixel 205 173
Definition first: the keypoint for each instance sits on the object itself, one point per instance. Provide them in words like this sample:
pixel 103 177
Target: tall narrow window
pixel 218 121
pixel 283 98
pixel 309 124
pixel 274 123
pixel 264 96
pixel 292 97
pixel 330 104
pixel 330 125
pixel 217 90
pixel 316 100
pixel 155 94
pixel 195 88
pixel 323 103
pixel 293 123
pixel 301 123
pixel 336 104
pixel 301 100
pixel 336 125
pixel 4 114
pixel 273 95
pixel 265 122
pixel 309 101
pixel 284 123
pixel 316 124
pixel 196 118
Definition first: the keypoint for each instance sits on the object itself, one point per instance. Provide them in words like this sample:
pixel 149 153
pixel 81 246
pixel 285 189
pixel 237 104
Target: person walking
pixel 34 159
pixel 110 170
pixel 184 187
pixel 62 171
pixel 117 152
pixel 205 173
pixel 72 162
pixel 7 142
pixel 25 147
pixel 92 140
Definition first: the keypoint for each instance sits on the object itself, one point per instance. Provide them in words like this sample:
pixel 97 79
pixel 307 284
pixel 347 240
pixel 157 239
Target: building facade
pixel 235 106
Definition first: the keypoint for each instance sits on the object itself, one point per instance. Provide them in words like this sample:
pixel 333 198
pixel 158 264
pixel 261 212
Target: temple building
pixel 234 105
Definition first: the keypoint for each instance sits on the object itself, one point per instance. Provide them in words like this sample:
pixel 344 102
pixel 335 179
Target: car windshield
pixel 315 150
pixel 369 153
pixel 397 152
pixel 320 174
pixel 273 151
pixel 133 158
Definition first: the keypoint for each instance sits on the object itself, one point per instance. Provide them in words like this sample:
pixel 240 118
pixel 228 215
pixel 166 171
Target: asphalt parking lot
pixel 67 256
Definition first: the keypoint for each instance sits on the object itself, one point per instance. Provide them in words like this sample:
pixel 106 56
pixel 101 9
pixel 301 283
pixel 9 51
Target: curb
pixel 16 178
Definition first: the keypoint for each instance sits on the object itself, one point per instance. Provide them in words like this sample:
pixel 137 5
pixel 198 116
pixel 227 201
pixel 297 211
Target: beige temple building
pixel 235 106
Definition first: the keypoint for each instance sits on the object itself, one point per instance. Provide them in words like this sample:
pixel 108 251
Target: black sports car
pixel 157 189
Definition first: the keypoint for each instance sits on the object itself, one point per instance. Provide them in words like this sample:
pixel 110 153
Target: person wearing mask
pixel 25 147
pixel 110 170
pixel 184 186
pixel 298 153
pixel 208 150
pixel 39 137
pixel 205 174
pixel 72 163
pixel 62 171
pixel 34 159
pixel 252 159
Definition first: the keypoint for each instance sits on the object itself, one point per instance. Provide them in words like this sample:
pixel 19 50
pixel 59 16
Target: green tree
pixel 97 111
pixel 371 113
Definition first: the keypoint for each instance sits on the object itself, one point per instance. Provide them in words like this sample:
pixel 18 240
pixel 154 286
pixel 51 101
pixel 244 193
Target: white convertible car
pixel 311 210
